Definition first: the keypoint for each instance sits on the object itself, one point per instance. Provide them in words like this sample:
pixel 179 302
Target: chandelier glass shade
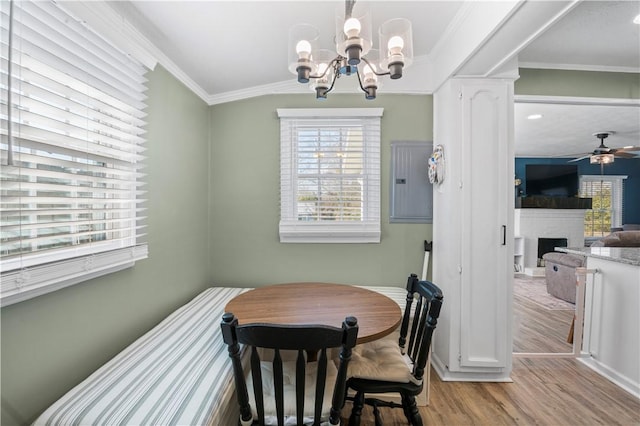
pixel 355 53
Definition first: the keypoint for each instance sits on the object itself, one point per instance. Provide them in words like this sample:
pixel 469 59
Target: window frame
pixel 28 274
pixel 617 197
pixel 293 230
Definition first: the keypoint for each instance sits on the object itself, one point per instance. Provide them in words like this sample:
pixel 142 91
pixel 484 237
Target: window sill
pixel 23 284
pixel 313 233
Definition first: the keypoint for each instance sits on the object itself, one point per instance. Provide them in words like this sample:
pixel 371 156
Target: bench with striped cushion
pixel 178 373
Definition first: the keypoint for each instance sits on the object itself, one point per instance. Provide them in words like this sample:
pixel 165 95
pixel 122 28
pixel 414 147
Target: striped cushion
pixel 178 373
pixel 289 385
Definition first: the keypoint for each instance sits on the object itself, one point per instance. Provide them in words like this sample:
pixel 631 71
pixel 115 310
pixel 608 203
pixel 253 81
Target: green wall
pixel 245 203
pixel 52 342
pixel 589 84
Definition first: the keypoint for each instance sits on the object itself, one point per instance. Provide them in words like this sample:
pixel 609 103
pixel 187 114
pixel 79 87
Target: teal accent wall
pixel 629 167
pixel 52 342
pixel 245 198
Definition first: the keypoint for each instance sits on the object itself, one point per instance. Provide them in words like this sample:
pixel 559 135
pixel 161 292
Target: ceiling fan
pixel 605 155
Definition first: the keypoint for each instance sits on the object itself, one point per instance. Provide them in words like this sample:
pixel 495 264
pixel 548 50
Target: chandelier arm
pixel 333 63
pixel 336 73
pixel 360 81
pixel 373 68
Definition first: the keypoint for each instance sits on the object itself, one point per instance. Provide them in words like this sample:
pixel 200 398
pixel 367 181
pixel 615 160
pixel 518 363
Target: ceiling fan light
pixel 602 159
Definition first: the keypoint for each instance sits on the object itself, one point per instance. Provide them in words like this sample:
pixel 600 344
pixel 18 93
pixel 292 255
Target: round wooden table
pixel 318 303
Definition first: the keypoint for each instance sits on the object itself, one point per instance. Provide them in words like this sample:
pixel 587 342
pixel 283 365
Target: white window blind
pixel 607 201
pixel 72 150
pixel 330 175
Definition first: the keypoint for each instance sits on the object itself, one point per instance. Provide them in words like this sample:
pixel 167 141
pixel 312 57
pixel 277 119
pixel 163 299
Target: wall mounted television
pixel 552 180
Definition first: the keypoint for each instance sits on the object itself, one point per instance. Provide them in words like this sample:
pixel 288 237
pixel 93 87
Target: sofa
pixel 560 274
pixel 560 268
pixel 630 238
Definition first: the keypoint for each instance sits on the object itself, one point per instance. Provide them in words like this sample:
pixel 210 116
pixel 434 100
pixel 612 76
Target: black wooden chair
pixel 282 383
pixel 393 366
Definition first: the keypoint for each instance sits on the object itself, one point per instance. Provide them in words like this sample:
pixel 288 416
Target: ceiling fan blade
pixel 580 158
pixel 623 154
pixel 627 149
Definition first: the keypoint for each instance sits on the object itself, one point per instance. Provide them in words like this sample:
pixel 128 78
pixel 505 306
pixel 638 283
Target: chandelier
pixel 353 42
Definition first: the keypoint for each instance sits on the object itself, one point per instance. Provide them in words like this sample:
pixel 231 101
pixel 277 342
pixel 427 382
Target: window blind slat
pixel 31 151
pixel 74 115
pixel 73 126
pixel 31 136
pixel 68 37
pixel 25 80
pixel 61 21
pixel 65 43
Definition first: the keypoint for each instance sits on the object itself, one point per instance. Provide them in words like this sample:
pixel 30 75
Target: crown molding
pixel 579 67
pixel 574 100
pixel 117 28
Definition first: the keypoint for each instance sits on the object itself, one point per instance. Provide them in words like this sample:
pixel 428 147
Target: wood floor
pixel 545 391
pixel 539 330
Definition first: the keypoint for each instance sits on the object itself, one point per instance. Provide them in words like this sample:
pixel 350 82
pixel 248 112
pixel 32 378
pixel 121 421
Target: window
pixel 606 201
pixel 330 175
pixel 72 150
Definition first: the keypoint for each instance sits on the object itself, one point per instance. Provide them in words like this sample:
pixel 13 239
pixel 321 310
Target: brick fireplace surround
pixel 532 223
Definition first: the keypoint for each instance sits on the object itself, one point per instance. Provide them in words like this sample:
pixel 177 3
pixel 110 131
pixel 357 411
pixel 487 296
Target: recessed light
pixel 534 116
pixel 636 20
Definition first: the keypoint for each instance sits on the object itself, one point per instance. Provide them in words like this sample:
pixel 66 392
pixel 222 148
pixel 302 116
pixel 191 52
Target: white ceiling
pixel 225 47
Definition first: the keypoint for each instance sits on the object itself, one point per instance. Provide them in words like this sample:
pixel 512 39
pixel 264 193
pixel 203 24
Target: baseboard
pixel 466 376
pixel 616 378
pixel 535 272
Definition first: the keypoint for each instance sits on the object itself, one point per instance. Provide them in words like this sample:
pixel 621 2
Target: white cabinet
pixel 611 344
pixel 473 229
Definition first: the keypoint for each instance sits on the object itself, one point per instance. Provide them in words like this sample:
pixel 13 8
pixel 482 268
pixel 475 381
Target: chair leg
pixel 411 411
pixel 376 415
pixel 356 411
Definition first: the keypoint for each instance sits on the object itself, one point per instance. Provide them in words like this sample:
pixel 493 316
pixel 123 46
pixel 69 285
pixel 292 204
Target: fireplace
pixel 546 245
pixel 531 224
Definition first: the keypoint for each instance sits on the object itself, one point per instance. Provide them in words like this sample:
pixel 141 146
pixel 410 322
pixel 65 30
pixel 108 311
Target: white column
pixel 473 229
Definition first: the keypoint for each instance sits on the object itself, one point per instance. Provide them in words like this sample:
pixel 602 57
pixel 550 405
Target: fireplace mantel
pixel 542 202
pixel 532 224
